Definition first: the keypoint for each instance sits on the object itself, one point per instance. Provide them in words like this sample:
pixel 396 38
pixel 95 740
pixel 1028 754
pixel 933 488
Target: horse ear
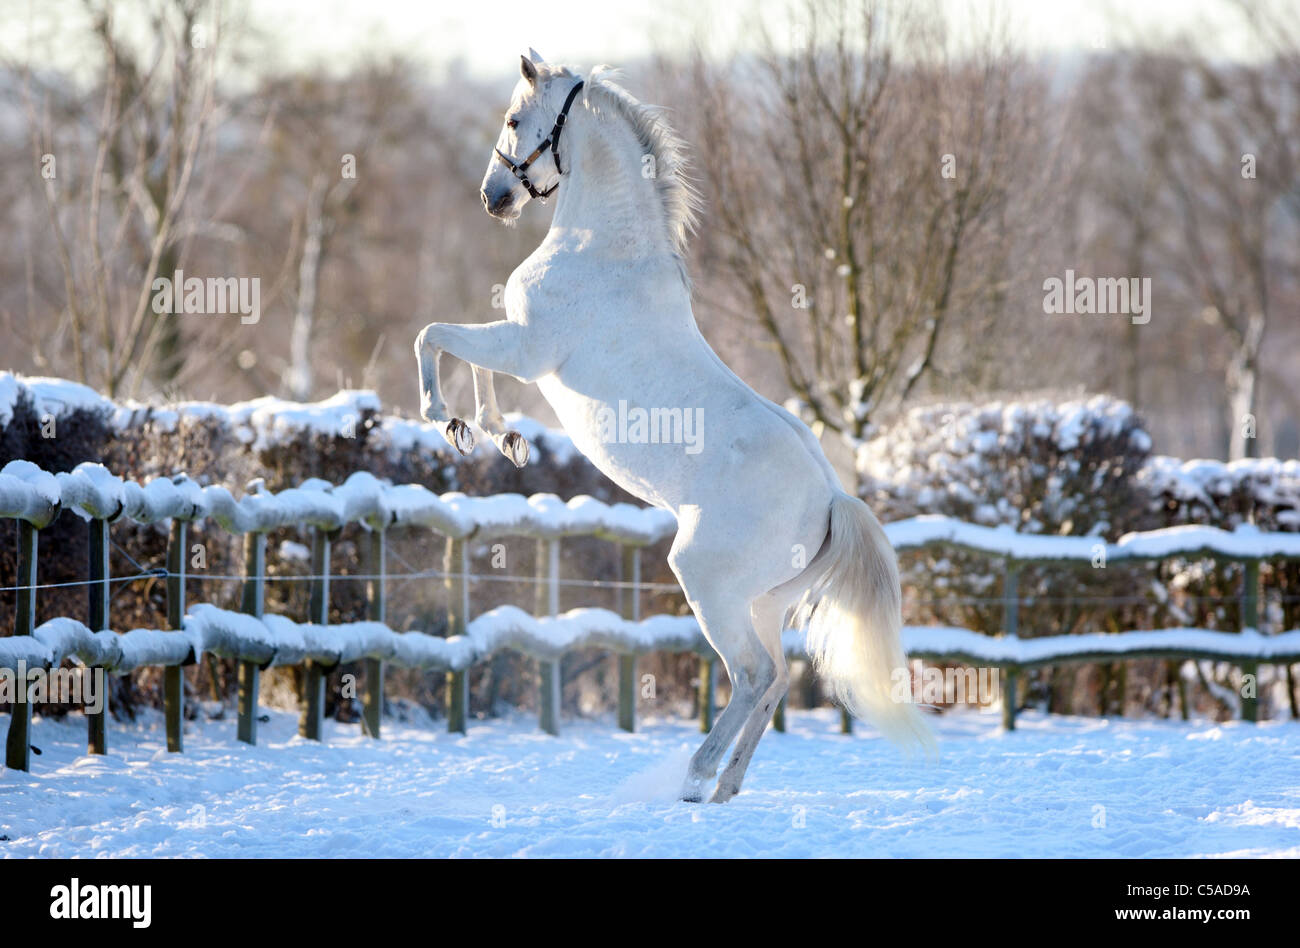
pixel 535 56
pixel 528 70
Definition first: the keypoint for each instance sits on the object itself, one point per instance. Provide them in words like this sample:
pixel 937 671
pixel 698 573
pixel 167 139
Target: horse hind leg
pixel 768 613
pixel 725 620
pixel 751 671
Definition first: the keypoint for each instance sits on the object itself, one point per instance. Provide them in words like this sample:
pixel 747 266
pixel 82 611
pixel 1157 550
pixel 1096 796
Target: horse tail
pixel 853 614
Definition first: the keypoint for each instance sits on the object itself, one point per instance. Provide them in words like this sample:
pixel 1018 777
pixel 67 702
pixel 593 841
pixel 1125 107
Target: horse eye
pixel 512 123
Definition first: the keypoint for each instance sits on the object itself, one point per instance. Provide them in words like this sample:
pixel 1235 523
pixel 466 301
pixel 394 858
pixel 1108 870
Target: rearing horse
pixel 599 316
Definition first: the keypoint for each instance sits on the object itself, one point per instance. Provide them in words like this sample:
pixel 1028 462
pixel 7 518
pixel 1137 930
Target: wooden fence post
pixel 457 569
pixel 252 602
pixel 1250 619
pixel 311 721
pixel 98 621
pixel 174 675
pixel 630 609
pixel 549 682
pixel 18 743
pixel 708 683
pixel 1010 674
pixel 373 699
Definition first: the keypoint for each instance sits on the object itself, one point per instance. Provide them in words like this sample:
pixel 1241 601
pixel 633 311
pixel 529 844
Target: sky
pixel 487 36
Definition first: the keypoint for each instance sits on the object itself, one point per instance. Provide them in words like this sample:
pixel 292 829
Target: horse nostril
pixel 498 205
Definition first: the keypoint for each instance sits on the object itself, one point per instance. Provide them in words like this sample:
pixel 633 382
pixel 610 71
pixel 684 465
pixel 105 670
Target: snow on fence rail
pixel 258 641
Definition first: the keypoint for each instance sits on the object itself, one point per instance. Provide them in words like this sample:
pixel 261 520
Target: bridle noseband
pixel 551 141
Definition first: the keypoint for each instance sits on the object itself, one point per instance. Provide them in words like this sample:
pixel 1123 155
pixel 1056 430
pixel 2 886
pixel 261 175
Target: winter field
pixel 1058 786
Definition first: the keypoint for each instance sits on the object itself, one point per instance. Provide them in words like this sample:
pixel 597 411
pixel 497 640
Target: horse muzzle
pixel 500 204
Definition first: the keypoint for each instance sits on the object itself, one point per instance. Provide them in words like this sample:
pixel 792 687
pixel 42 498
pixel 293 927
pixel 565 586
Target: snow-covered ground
pixel 1056 787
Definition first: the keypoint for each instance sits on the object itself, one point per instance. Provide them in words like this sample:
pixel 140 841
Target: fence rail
pixel 257 640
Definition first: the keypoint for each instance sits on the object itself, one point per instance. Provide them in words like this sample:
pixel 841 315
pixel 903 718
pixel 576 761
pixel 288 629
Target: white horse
pixel 599 316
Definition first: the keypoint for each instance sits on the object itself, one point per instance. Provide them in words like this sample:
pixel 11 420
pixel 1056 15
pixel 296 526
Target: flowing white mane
pixel 680 200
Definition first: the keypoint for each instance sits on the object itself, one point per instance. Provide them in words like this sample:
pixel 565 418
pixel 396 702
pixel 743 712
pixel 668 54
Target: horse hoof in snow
pixel 722 793
pixel 515 447
pixel 459 436
pixel 692 790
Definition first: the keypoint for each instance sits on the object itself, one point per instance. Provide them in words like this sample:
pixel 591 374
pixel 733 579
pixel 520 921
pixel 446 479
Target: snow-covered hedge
pixel 1265 491
pixel 262 423
pixel 1074 467
pixel 1038 466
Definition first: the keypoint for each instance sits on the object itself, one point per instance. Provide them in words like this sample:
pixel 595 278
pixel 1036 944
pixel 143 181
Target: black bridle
pixel 551 141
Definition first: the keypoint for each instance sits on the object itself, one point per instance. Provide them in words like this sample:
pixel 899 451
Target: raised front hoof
pixel 691 796
pixel 515 447
pixel 459 435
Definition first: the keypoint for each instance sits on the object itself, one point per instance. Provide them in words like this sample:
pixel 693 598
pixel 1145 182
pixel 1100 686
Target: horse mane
pixel 678 196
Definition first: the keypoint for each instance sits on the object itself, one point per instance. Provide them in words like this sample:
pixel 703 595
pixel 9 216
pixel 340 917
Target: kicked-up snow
pixel 1057 786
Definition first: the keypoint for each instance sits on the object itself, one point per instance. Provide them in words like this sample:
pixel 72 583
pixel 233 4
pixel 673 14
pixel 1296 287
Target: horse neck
pixel 603 193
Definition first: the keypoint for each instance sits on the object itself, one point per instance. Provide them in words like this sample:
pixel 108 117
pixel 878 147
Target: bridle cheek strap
pixel 551 141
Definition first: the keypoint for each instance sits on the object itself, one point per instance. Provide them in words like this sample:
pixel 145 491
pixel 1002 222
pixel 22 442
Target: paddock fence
pixel 257 640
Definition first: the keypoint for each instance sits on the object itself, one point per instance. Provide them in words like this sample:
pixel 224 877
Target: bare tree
pixel 1229 165
pixel 861 183
pixel 114 227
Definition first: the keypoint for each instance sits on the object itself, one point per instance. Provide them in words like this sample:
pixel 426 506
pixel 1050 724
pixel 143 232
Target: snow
pixel 293 551
pixel 1245 541
pixel 937 642
pixel 1272 482
pixel 274 639
pixel 92 491
pixel 23 650
pixel 50 396
pixel 164 498
pixel 28 493
pixel 1055 787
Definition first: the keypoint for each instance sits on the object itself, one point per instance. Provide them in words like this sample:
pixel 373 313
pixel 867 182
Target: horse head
pixel 526 161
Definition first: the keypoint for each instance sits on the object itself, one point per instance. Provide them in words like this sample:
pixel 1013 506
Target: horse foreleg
pixel 488 417
pixel 501 346
pixel 433 408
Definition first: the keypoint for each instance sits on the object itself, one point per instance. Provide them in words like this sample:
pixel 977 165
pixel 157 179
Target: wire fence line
pixel 257 640
pixel 161 572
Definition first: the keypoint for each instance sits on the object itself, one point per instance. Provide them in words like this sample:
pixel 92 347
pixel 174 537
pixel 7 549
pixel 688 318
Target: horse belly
pixel 653 476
